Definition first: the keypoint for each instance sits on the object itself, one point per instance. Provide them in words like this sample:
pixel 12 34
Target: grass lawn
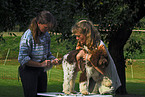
pixel 11 87
pixel 135 77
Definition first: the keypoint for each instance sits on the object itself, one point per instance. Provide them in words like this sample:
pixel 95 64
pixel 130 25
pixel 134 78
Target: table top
pixel 59 94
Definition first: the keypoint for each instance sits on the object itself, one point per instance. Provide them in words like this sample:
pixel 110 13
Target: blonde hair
pixel 87 28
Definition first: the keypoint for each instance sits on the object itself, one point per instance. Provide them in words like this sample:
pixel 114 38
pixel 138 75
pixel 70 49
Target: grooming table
pixel 58 94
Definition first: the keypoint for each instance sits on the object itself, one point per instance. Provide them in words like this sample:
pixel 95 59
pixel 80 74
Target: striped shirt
pixel 37 52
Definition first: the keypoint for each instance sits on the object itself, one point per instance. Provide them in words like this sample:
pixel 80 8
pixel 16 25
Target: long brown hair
pixel 87 28
pixel 44 17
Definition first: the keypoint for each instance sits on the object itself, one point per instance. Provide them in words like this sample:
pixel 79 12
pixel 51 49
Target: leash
pixel 99 70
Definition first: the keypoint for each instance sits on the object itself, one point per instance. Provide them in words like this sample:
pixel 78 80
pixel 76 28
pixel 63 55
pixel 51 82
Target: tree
pixel 116 19
pixel 126 15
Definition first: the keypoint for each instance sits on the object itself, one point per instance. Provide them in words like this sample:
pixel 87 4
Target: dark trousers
pixel 34 80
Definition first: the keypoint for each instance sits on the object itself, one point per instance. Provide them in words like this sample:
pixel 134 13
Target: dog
pixel 92 78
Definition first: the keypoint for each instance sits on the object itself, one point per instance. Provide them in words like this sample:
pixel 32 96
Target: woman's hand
pixel 84 55
pixel 55 61
pixel 46 63
pixel 87 56
pixel 80 54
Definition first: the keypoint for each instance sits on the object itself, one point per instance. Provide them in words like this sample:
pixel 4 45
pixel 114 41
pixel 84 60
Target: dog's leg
pixel 72 82
pixel 68 70
pixel 91 85
pixel 96 88
pixel 106 86
pixel 83 88
pixel 83 83
pixel 98 79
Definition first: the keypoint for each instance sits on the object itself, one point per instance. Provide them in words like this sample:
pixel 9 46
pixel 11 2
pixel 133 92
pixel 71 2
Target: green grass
pixel 11 87
pixel 136 80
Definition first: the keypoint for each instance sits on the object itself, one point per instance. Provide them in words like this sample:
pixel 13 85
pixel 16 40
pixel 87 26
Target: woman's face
pixel 81 38
pixel 43 28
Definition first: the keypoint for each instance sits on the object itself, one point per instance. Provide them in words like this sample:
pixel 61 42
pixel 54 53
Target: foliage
pixel 135 46
pixel 61 47
pixel 12 43
pixel 141 24
pixel 109 15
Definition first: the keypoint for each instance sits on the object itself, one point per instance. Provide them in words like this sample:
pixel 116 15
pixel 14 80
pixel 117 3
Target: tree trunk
pixel 117 55
pixel 116 45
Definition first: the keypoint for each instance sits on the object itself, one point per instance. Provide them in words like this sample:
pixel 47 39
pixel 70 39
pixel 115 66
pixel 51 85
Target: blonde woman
pixel 94 51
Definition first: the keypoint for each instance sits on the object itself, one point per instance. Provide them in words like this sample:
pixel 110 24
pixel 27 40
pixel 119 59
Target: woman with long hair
pixel 94 52
pixel 34 54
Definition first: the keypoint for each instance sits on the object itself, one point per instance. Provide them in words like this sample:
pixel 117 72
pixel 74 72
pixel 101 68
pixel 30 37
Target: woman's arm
pixel 37 64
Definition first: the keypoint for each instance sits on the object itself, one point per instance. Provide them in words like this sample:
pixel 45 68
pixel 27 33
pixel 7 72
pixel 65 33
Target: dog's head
pixel 99 57
pixel 72 57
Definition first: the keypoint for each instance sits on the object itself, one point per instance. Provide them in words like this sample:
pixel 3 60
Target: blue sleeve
pixel 25 48
pixel 49 56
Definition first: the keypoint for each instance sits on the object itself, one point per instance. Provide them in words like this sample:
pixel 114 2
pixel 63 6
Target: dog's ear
pixel 103 62
pixel 99 57
pixel 72 56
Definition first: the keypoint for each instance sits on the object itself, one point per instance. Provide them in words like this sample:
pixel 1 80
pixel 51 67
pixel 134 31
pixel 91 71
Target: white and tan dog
pixel 92 77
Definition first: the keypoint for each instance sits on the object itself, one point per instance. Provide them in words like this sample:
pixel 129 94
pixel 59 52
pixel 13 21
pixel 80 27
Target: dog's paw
pixel 85 92
pixel 83 88
pixel 74 92
pixel 66 92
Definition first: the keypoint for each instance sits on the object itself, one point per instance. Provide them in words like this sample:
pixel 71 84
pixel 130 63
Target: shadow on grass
pixel 11 91
pixel 136 88
pixel 58 87
pixel 133 89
